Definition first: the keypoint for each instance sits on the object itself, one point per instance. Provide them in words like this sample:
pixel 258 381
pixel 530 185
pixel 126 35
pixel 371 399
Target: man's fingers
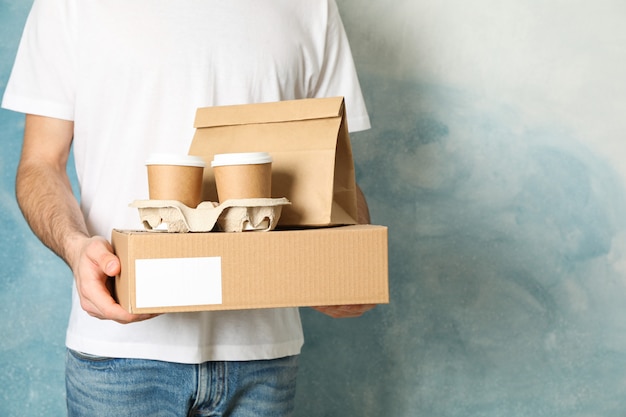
pixel 112 311
pixel 345 311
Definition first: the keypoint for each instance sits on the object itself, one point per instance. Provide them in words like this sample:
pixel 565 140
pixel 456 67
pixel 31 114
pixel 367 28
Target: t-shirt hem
pixel 185 354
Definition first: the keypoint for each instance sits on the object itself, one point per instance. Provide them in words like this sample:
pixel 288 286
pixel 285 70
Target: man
pixel 118 80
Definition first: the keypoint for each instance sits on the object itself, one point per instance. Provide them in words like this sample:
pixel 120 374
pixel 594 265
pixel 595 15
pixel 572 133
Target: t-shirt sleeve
pixel 42 79
pixel 338 76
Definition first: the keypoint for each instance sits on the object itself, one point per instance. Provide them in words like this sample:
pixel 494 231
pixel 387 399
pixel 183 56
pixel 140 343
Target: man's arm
pixel 363 217
pixel 44 194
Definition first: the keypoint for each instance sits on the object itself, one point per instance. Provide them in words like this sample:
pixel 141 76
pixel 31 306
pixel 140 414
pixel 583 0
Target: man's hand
pixel 92 268
pixel 339 312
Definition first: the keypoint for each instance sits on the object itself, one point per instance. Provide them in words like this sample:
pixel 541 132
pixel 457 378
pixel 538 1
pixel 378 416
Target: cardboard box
pixel 310 146
pixel 177 272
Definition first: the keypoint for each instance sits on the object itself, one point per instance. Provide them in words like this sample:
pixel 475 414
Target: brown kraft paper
pixel 309 142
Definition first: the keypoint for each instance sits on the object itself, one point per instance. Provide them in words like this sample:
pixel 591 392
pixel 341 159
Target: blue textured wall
pixel 496 160
pixel 34 284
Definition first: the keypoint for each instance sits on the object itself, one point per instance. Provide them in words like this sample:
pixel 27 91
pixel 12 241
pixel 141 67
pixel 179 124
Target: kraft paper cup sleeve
pixel 242 175
pixel 175 177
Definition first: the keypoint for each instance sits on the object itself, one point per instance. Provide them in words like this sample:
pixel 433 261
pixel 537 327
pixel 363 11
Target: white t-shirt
pixel 131 74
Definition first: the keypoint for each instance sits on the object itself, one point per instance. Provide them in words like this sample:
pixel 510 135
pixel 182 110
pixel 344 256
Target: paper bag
pixel 310 146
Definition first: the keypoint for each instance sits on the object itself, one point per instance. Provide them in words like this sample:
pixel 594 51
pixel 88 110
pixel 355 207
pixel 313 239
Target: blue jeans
pixel 99 386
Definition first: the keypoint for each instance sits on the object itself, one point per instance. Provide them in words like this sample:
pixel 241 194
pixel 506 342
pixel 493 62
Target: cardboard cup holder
pixel 235 215
pixel 175 184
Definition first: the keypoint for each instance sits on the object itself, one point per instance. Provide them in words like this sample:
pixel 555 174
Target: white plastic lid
pixel 175 159
pixel 245 158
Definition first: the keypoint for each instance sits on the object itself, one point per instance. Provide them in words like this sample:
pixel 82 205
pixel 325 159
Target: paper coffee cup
pixel 176 177
pixel 242 175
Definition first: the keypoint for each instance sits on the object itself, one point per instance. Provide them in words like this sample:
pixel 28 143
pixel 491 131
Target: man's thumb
pixel 112 267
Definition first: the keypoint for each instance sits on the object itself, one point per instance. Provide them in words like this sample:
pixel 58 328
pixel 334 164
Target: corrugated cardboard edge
pixel 270 112
pixel 123 297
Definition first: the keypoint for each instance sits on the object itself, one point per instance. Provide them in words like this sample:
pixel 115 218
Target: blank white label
pixel 173 282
